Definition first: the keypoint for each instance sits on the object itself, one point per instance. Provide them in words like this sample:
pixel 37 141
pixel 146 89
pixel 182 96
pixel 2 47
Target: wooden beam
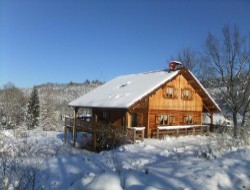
pixel 65 134
pixel 211 107
pixel 95 118
pixel 94 133
pixel 211 121
pixel 124 122
pixel 147 135
pixel 75 124
pixel 128 119
pixel 191 81
pixel 134 135
pixel 211 117
pixel 204 98
pixel 206 108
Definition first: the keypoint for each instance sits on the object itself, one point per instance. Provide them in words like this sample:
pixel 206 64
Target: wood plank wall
pixel 157 104
pixel 141 108
pixel 115 117
pixel 177 106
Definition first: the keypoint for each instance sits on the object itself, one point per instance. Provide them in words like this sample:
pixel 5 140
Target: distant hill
pixel 54 99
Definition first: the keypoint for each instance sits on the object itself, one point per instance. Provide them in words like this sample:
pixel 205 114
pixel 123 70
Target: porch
pixel 108 136
pixel 103 135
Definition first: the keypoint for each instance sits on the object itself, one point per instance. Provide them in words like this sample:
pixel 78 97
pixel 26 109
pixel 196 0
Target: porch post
pixel 65 133
pixel 128 119
pixel 94 132
pixel 211 121
pixel 75 125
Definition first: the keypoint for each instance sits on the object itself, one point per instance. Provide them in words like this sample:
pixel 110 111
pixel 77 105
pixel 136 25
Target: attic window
pixel 187 94
pixel 170 92
pixel 124 84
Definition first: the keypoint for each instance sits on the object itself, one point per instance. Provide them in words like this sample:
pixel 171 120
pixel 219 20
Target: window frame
pixel 187 94
pixel 163 119
pixel 188 119
pixel 168 94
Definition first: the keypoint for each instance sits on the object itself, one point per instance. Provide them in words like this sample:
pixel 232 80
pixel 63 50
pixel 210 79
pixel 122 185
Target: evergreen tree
pixel 33 109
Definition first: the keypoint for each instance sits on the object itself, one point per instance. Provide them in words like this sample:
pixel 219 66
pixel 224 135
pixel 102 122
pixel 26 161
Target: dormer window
pixel 124 84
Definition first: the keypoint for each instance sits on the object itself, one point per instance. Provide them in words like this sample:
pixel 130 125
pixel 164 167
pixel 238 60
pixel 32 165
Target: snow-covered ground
pixel 191 162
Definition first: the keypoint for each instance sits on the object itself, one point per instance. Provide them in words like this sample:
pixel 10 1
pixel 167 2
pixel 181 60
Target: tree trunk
pixel 235 123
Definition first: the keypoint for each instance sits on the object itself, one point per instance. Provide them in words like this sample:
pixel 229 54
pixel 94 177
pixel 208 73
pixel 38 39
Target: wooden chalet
pixel 170 100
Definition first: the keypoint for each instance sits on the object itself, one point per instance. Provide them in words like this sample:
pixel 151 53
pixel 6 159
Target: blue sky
pixel 74 40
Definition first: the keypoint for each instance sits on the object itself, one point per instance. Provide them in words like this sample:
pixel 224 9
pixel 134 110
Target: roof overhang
pixel 209 105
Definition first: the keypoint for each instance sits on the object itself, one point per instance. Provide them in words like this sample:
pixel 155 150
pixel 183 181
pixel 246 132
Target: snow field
pixel 190 162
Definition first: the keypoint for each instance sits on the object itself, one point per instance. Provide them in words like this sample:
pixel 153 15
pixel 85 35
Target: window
pixel 162 120
pixel 188 119
pixel 170 92
pixel 165 119
pixel 187 94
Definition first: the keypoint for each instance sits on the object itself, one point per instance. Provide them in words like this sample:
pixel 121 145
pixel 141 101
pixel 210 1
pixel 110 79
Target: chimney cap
pixel 176 62
pixel 173 64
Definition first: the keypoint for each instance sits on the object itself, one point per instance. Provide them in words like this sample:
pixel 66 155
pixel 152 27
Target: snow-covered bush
pixel 12 106
pixel 21 164
pixel 224 140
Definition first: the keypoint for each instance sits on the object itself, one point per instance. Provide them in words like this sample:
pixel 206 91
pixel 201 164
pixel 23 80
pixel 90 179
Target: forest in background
pixel 53 102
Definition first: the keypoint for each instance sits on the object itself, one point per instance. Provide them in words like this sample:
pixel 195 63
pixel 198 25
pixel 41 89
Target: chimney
pixel 173 64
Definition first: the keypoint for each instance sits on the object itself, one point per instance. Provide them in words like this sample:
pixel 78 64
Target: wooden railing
pixel 102 133
pixel 89 126
pixel 182 130
pixel 137 133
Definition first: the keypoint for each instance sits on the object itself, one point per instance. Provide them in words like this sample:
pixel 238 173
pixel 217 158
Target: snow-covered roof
pixel 124 91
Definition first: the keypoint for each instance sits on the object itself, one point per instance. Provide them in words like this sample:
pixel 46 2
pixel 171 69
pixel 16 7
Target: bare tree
pixel 12 106
pixel 229 60
pixel 195 62
pixel 190 59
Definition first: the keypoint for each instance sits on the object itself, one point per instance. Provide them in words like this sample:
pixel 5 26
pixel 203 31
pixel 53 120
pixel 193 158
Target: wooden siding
pixel 175 106
pixel 179 118
pixel 115 117
pixel 157 101
pixel 141 108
